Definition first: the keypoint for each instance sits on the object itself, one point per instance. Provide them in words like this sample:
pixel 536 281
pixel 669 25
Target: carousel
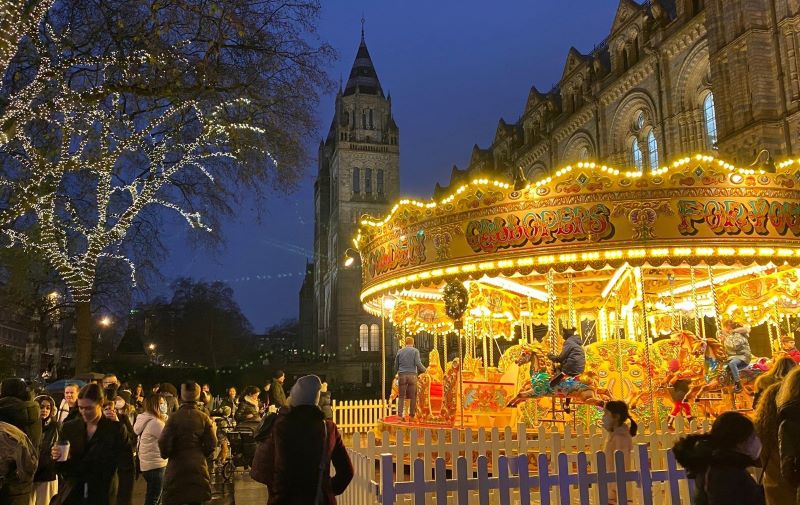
pixel 649 270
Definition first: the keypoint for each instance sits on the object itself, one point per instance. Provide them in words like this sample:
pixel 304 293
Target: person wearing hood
pixel 719 462
pixel 170 395
pixel 17 408
pixel 45 481
pixel 187 440
pixel 17 465
pixel 789 430
pixel 294 459
pixel 571 361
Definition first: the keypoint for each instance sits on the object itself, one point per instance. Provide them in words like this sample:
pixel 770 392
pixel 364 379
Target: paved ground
pixel 243 491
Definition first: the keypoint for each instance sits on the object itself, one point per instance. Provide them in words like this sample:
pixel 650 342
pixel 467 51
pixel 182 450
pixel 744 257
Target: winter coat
pixel 290 458
pixel 325 404
pixel 46 471
pixel 172 403
pixel 17 465
pixel 737 344
pixel 66 413
pixel 187 440
pixel 104 463
pixel 276 395
pixel 231 403
pixel 148 429
pixel 572 357
pixel 24 414
pixel 247 413
pixel 789 445
pixel 726 481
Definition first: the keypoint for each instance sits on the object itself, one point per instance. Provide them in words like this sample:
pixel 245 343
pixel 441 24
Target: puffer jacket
pixel 572 357
pixel 148 428
pixel 789 445
pixel 24 414
pixel 737 344
pixel 188 439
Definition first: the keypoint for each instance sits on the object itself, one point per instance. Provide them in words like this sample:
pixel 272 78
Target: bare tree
pixel 120 110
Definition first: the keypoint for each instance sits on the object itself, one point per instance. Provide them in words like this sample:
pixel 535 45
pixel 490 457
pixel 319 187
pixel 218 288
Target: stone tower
pixel 754 70
pixel 359 173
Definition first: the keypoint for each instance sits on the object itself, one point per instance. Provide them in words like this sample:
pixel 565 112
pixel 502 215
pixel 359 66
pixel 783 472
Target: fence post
pixel 602 478
pixel 502 479
pixel 524 479
pixel 583 478
pixel 645 477
pixel 563 478
pixel 673 476
pixel 387 480
pixel 544 481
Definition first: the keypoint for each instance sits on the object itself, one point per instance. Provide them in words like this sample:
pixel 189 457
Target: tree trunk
pixel 83 338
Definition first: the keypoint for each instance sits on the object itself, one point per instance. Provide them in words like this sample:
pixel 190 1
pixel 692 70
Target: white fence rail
pixel 353 416
pixel 422 458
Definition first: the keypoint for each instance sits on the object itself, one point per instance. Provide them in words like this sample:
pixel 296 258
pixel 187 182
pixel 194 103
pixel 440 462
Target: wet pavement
pixel 242 491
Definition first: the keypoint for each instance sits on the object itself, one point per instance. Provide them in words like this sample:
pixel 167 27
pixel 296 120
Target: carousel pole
pixel 696 306
pixel 572 316
pixel 459 325
pixel 777 343
pixel 715 300
pixel 646 329
pixel 673 313
pixel 551 310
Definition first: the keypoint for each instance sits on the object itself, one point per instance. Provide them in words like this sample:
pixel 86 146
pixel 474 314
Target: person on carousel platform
pixel 736 341
pixel 571 362
pixel 788 347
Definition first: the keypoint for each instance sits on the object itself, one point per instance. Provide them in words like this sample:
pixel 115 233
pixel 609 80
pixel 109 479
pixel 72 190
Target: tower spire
pixel 362 26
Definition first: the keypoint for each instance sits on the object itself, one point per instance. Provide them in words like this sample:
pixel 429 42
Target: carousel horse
pixel 714 375
pixel 584 388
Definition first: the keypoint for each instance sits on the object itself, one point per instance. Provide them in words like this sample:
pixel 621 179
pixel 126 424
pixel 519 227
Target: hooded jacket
pixel 572 357
pixel 24 414
pixel 51 432
pixel 789 444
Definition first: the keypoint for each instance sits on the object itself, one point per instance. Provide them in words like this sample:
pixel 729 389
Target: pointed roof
pixel 625 10
pixel 574 59
pixel 131 343
pixel 363 77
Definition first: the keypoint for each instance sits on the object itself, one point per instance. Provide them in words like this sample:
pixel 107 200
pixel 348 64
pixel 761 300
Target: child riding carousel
pixel 735 340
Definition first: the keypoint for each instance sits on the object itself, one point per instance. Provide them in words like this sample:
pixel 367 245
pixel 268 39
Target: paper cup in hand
pixel 63 450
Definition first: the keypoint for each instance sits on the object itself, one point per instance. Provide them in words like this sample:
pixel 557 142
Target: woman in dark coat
pixel 288 460
pixel 45 481
pixel 719 462
pixel 247 413
pixel 99 469
pixel 187 440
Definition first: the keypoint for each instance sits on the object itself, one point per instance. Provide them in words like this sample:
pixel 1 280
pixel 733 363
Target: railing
pixel 425 454
pixel 353 416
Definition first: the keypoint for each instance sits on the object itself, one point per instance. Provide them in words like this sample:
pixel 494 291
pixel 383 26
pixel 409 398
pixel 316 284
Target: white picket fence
pixel 353 416
pixel 455 466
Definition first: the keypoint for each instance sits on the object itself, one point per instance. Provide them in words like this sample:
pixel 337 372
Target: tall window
pixel 379 181
pixel 374 338
pixel 652 150
pixel 363 337
pixel 710 116
pixel 364 119
pixel 368 181
pixel 371 124
pixel 356 180
pixel 637 154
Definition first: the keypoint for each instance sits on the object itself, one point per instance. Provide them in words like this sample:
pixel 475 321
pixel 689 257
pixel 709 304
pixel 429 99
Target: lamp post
pixel 104 323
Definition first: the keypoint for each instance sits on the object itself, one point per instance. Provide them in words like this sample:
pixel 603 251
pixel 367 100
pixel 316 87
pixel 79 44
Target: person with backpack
pixel 719 462
pixel 789 430
pixel 294 457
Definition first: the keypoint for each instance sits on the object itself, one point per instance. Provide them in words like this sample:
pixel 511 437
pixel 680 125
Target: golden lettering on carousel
pixel 540 227
pixel 408 251
pixel 733 217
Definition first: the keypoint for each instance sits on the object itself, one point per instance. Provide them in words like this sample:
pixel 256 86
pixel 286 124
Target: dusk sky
pixel 453 68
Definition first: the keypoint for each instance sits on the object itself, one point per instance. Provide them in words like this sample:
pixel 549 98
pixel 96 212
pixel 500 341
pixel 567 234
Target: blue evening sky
pixel 454 68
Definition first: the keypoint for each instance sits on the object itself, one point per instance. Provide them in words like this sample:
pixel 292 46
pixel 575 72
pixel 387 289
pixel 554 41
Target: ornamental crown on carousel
pixel 680 283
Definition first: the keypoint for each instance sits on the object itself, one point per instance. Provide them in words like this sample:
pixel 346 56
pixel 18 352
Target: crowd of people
pixel 89 447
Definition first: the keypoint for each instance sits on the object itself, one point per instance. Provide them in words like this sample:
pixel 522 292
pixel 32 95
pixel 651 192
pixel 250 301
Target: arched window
pixel 374 338
pixel 652 150
pixel 368 181
pixel 363 337
pixel 640 120
pixel 637 154
pixel 710 117
pixel 379 181
pixel 356 180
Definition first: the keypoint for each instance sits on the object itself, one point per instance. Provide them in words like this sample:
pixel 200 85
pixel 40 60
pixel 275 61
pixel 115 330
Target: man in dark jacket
pixel 572 360
pixel 187 440
pixel 288 460
pixel 276 395
pixel 18 408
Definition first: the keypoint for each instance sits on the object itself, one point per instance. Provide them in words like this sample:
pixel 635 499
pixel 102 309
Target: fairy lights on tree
pixel 87 150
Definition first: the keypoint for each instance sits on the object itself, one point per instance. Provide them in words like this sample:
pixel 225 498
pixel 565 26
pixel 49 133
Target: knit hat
pixel 14 387
pixel 305 391
pixel 190 392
